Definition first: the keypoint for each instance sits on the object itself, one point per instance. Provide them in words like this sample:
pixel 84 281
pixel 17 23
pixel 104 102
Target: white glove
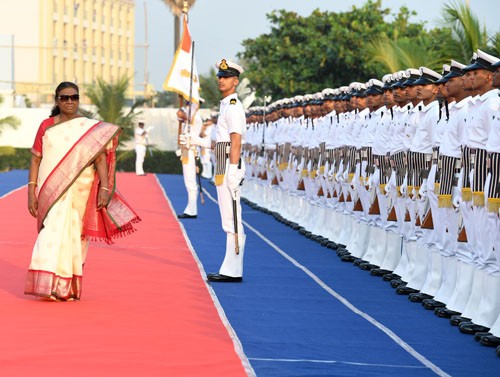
pixel 149 129
pixel 375 178
pixel 392 183
pixel 185 139
pixel 345 175
pixel 431 178
pixel 338 176
pixel 364 164
pixel 423 189
pixel 357 172
pixel 234 179
pixel 413 193
pixel 404 187
pixel 456 197
pixel 326 169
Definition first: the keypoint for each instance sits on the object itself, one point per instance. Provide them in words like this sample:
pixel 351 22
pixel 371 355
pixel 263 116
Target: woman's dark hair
pixel 65 84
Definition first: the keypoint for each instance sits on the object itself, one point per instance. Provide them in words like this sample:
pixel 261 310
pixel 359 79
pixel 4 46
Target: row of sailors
pixel 402 176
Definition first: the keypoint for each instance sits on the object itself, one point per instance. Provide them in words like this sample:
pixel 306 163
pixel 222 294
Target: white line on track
pixel 336 362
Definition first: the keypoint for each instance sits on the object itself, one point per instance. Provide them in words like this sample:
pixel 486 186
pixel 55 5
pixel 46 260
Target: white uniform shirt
pixel 481 119
pixel 412 119
pixel 140 136
pixel 441 125
pixel 422 141
pixel 369 132
pixel 451 141
pixel 381 141
pixel 493 144
pixel 330 137
pixel 231 119
pixel 398 129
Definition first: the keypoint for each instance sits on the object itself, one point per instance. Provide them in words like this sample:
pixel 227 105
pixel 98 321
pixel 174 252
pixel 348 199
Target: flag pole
pixel 191 87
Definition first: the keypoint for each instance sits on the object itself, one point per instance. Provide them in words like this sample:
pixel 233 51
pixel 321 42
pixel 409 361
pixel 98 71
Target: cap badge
pixel 223 64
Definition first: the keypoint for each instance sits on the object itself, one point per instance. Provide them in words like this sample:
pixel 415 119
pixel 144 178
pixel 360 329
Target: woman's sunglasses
pixel 66 98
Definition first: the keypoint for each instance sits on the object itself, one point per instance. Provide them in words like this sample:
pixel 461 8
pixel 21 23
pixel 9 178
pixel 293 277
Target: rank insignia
pixel 232 101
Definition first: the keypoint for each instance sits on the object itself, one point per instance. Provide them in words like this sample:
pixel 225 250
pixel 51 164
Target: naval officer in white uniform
pixel 230 171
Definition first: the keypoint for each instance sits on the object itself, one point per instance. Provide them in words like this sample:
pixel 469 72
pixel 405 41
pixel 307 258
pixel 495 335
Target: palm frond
pixel 468 32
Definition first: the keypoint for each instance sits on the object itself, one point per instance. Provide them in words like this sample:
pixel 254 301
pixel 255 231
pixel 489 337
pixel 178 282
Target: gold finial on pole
pixel 185 6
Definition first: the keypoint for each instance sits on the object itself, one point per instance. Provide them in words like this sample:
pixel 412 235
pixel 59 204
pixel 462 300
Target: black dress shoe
pixel 472 328
pixel 367 266
pixel 456 320
pixel 432 304
pixel 219 278
pixel 405 290
pixel 341 250
pixel 343 253
pixel 379 272
pixel 419 297
pixel 391 277
pixel 445 312
pixel 358 261
pixel 332 245
pixel 186 216
pixel 490 340
pixel 498 351
pixel 479 335
pixel 347 258
pixel 397 282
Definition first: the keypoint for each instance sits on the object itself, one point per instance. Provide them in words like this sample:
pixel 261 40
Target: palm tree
pixel 468 33
pixel 395 55
pixel 110 101
pixel 177 7
pixel 11 121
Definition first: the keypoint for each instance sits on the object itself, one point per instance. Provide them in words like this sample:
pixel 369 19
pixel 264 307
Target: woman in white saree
pixel 71 192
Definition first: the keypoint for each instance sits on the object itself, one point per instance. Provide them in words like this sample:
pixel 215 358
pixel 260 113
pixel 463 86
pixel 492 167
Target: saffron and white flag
pixel 178 79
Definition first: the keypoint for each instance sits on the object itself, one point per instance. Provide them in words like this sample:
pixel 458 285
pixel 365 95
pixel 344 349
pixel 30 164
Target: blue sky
pixel 219 26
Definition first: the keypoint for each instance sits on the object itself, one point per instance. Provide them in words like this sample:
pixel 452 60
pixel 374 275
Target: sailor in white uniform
pixel 230 171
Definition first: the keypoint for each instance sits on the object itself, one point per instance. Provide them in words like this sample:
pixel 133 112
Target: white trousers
pixel 140 152
pixel 233 263
pixel 189 173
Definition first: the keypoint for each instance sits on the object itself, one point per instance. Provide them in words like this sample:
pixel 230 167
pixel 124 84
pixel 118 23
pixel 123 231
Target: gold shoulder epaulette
pixel 232 101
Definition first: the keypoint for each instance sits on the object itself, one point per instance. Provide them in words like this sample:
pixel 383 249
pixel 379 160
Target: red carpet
pixel 145 310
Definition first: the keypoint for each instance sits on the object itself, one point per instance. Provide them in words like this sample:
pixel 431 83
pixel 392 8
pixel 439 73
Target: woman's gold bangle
pixel 32 183
pixel 104 188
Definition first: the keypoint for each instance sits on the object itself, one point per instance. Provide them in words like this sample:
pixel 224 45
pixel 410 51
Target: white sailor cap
pixel 328 93
pixel 445 71
pixel 483 61
pixel 375 87
pixel 227 68
pixel 427 76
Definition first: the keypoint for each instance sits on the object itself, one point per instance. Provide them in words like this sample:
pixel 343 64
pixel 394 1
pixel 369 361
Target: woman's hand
pixel 32 203
pixel 102 198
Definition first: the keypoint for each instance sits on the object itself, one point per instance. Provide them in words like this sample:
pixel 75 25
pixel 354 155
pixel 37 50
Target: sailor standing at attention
pixel 230 171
